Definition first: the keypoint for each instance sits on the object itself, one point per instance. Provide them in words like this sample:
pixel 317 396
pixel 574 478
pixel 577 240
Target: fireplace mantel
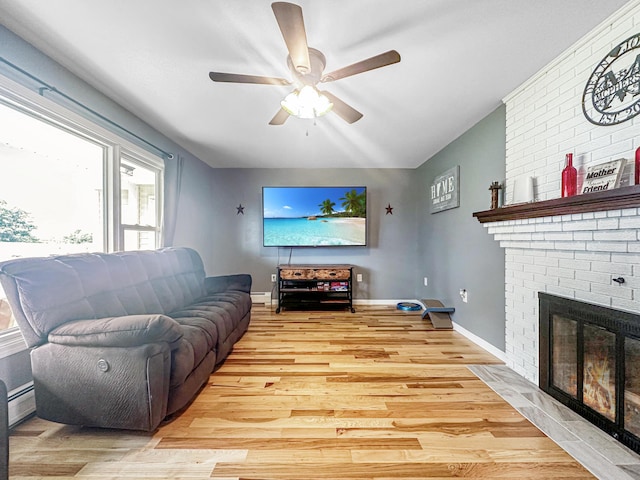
pixel 619 198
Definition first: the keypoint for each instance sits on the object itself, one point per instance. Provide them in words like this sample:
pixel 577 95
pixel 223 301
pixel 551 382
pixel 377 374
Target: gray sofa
pixel 122 340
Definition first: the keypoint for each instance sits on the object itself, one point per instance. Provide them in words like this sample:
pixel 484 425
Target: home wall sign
pixel 444 192
pixel 612 94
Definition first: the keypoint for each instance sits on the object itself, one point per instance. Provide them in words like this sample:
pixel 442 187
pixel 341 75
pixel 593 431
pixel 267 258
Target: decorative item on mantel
pixel 604 176
pixel 495 194
pixel 569 177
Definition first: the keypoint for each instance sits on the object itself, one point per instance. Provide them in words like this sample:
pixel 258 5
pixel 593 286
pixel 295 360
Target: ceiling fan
pixel 307 65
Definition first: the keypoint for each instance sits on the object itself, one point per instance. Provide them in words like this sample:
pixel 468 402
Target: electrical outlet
pixel 274 278
pixel 426 282
pixel 358 277
pixel 464 295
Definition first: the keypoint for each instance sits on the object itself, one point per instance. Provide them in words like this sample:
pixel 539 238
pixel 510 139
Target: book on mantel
pixel 604 176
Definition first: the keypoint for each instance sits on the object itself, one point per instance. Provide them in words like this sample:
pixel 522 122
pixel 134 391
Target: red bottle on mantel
pixel 637 182
pixel 569 178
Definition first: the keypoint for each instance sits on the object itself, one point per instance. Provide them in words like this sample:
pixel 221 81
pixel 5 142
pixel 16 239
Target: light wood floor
pixel 377 394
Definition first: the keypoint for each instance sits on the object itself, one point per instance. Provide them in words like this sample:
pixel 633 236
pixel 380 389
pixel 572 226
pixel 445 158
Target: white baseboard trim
pixel 11 342
pixel 22 403
pixel 496 352
pixel 261 297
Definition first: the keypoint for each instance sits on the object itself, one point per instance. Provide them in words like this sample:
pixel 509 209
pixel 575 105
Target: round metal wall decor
pixel 612 94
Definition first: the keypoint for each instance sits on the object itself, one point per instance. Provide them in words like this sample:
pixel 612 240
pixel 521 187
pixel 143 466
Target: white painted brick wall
pixel 545 120
pixel 560 264
pixel 575 256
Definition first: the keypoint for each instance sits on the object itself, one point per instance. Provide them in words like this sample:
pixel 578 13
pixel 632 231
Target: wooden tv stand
pixel 315 287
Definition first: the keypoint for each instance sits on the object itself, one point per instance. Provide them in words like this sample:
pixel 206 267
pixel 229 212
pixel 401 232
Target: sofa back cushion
pixel 44 293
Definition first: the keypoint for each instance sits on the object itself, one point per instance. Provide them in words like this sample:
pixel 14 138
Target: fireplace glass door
pixel 590 361
pixel 632 385
pixel 564 370
pixel 599 374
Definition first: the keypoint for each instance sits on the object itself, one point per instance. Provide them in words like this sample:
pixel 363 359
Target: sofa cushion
pixel 54 292
pixel 191 350
pixel 127 331
pixel 222 311
pixel 158 280
pixel 57 290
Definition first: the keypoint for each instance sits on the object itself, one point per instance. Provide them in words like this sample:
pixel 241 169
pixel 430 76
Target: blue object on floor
pixel 409 306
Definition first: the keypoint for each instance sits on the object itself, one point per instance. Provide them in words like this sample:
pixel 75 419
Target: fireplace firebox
pixel 590 361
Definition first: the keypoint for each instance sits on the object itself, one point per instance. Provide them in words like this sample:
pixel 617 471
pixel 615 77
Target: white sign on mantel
pixel 445 190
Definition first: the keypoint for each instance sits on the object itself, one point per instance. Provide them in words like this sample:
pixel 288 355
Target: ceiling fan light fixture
pixel 322 106
pixel 291 103
pixel 306 103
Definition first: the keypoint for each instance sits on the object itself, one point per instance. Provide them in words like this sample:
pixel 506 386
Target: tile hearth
pixel 599 453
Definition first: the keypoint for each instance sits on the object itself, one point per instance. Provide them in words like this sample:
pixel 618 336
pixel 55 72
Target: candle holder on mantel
pixel 495 193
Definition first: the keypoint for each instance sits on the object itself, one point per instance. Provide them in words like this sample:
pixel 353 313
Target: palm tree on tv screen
pixel 326 207
pixel 354 203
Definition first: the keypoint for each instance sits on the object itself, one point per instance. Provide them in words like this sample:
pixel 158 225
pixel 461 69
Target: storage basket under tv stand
pixel 315 287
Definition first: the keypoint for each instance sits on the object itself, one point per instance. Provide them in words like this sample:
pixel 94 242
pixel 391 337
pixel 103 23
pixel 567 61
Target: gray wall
pixel 387 263
pixel 455 249
pixel 194 227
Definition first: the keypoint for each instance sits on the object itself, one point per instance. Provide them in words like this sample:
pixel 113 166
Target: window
pixel 57 192
pixel 138 205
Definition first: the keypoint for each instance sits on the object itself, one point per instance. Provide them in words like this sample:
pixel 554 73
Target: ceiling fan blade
pixel 279 117
pixel 344 111
pixel 382 60
pixel 239 78
pixel 291 23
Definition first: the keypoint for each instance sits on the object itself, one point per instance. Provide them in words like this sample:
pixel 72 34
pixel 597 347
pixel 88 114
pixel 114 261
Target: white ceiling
pixel 459 59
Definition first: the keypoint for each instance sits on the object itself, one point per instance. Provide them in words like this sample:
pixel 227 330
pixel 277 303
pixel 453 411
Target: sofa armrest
pixel 223 283
pixel 125 331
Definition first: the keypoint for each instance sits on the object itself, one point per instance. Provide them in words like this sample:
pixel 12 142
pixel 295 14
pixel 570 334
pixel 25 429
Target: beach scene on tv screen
pixel 314 216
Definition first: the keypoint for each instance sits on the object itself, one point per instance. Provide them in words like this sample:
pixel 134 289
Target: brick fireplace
pixel 574 255
pixel 570 253
pixel 590 361
pixel 572 302
pixel 571 248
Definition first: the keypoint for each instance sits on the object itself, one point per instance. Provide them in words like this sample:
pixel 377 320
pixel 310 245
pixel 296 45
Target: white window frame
pixel 17 96
pixel 158 170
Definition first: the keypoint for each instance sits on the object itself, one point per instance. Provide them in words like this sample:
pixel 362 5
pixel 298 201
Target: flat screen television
pixel 314 216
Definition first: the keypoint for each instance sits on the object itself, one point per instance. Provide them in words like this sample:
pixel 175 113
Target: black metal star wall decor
pixel 240 209
pixel 389 210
